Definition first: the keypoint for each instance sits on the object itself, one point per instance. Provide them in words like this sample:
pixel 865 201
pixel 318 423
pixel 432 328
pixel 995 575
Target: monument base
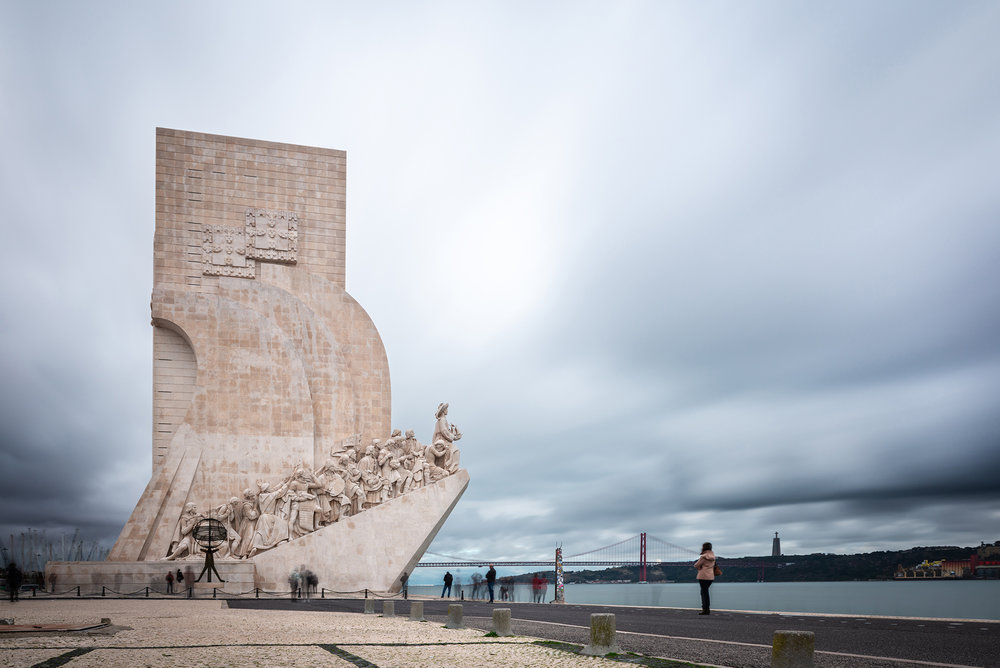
pixel 115 578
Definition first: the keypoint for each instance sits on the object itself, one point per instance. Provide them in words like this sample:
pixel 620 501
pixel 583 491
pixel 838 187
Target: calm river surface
pixel 960 599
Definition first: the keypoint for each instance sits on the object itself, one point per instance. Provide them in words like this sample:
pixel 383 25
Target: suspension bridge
pixel 641 550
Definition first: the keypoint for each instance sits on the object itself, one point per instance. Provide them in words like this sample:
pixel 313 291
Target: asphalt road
pixel 724 638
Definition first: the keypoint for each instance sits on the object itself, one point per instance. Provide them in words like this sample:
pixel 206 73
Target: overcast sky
pixel 704 270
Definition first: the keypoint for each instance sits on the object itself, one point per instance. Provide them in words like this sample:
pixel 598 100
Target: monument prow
pixel 372 549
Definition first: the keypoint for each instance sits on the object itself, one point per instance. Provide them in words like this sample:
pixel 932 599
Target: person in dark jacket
pixel 14 580
pixel 491 579
pixel 447 584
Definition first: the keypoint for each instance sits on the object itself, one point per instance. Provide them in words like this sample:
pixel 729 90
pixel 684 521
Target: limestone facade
pixel 271 394
pixel 262 361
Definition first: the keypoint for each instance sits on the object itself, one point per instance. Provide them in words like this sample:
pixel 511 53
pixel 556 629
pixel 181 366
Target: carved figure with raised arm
pixel 271 529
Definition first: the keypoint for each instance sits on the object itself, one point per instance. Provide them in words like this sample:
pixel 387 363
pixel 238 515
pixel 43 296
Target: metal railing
pixel 182 592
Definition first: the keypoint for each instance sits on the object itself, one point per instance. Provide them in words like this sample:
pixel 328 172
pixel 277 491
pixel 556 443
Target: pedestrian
pixel 293 583
pixel 491 579
pixel 707 570
pixel 536 589
pixel 14 580
pixel 545 589
pixel 312 583
pixel 402 583
pixel 170 582
pixel 447 584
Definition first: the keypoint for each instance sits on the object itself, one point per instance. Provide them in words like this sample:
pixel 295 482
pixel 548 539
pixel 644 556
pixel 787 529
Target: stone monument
pixel 271 394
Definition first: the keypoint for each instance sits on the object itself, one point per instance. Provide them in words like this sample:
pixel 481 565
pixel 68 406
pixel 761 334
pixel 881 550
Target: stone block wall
pixel 262 361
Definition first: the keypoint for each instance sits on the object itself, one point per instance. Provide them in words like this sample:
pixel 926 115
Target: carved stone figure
pixel 405 474
pixel 301 509
pixel 371 475
pixel 231 516
pixel 329 494
pixel 445 435
pixel 354 487
pixel 418 471
pixel 271 529
pixel 389 464
pixel 186 545
pixel 411 445
pixel 395 443
pixel 347 446
pixel 250 514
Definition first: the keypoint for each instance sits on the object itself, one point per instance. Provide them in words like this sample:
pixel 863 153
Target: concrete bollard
pixel 388 608
pixel 602 635
pixel 455 617
pixel 501 622
pixel 416 611
pixel 369 606
pixel 792 649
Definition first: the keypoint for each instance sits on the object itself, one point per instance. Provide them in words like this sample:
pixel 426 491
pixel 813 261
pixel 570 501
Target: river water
pixel 952 599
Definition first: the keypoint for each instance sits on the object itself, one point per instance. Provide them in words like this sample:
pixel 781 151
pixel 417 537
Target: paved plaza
pixel 207 633
pixel 277 631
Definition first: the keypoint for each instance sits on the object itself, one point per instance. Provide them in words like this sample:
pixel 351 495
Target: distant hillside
pixel 787 568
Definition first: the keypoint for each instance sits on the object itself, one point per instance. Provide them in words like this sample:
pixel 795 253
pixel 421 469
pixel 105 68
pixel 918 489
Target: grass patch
pixel 564 646
pixel 630 658
pixel 491 634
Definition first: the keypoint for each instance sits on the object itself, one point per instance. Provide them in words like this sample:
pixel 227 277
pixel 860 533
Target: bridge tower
pixel 560 588
pixel 642 557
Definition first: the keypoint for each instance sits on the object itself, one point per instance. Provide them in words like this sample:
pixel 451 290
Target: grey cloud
pixel 770 245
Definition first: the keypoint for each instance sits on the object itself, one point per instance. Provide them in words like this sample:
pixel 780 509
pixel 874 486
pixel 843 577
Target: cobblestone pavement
pixel 210 633
pixel 730 638
pixel 207 633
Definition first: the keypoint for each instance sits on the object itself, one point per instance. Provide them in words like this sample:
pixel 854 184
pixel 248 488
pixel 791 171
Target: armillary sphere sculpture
pixel 210 535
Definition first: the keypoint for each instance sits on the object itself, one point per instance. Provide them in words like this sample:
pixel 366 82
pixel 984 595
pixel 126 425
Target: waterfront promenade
pixel 328 632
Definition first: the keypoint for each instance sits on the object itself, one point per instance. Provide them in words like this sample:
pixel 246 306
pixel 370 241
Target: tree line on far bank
pixel 820 567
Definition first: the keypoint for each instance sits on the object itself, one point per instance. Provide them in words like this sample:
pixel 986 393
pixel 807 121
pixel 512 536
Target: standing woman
pixel 706 575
